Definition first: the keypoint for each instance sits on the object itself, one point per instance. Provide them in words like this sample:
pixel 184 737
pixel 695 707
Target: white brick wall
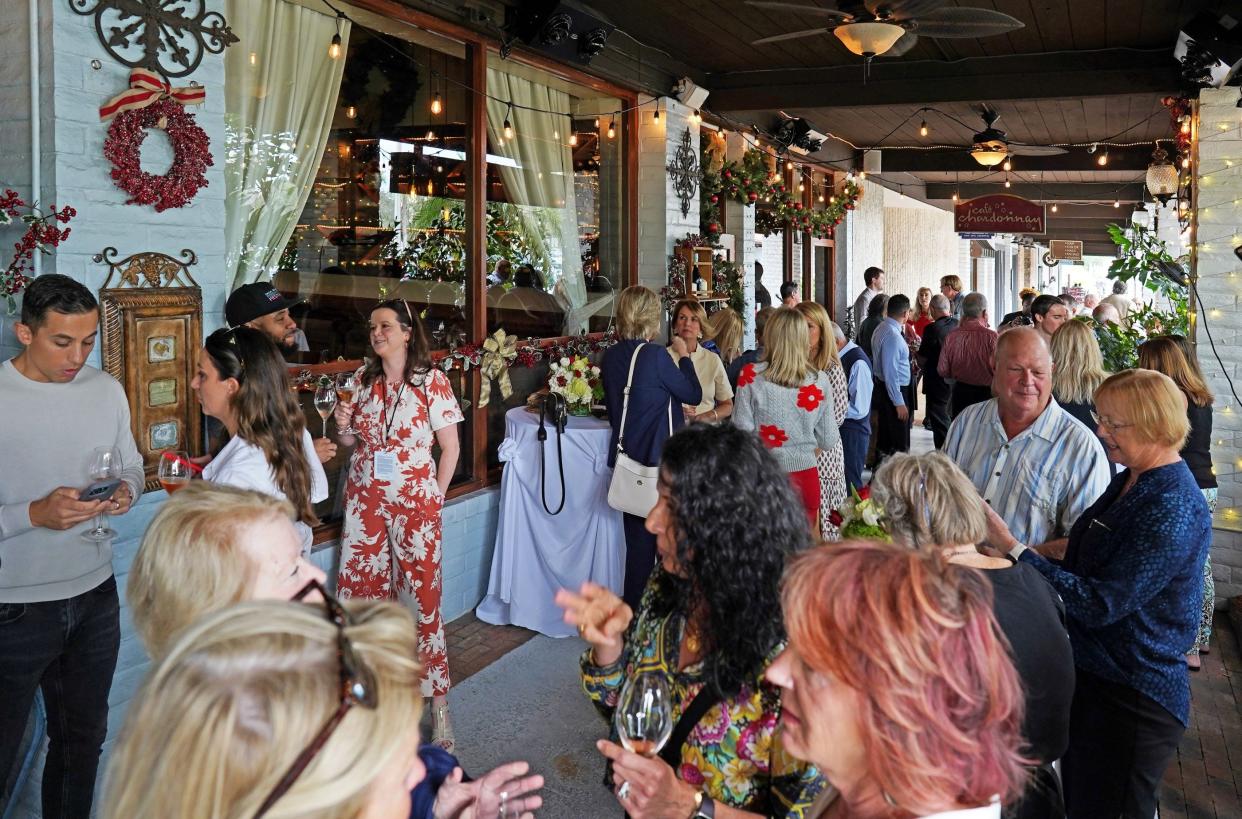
pixel 1219 215
pixel 660 222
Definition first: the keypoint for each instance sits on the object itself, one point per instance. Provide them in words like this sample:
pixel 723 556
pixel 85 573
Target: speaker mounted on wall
pixel 555 29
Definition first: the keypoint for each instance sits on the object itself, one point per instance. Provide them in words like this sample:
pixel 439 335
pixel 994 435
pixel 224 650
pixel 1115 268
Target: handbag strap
pixel 625 402
pixel 700 705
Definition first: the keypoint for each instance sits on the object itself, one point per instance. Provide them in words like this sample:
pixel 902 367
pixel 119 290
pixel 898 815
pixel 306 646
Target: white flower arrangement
pixel 576 380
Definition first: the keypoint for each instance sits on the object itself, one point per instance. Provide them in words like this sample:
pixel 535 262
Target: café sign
pixel 998 213
pixel 1065 250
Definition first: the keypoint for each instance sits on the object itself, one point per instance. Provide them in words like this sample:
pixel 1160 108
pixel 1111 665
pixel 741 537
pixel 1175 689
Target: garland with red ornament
pixel 191 155
pixel 750 182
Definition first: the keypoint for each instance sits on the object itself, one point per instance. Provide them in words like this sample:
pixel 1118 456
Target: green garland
pixel 750 182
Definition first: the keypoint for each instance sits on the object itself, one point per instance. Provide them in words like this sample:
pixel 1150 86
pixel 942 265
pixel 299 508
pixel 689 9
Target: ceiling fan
pixel 990 146
pixel 890 28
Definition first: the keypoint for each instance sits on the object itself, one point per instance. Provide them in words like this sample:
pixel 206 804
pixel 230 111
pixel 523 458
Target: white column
pixel 660 220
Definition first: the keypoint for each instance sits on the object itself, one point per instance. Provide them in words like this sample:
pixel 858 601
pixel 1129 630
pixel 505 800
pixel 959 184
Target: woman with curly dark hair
pixel 710 624
pixel 242 382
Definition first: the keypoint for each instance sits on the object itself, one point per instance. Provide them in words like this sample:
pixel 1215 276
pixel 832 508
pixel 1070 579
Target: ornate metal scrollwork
pixel 684 171
pixel 166 36
pixel 148 269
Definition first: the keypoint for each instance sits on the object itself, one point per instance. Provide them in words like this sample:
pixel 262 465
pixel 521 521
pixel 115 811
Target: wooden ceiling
pixel 1079 71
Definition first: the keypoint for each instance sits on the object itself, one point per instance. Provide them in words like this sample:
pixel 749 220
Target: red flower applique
pixel 746 376
pixel 810 397
pixel 772 435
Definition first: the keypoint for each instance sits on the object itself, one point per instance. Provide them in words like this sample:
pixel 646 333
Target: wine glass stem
pixel 99 523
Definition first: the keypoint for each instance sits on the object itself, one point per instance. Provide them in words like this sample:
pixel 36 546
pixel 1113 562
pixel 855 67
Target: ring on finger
pixel 623 793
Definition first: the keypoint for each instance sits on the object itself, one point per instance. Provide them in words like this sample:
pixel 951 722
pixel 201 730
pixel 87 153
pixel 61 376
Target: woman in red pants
pixel 390 542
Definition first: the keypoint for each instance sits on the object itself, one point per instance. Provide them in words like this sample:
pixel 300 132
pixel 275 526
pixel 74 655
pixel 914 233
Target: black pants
pixel 966 394
pixel 640 555
pixel 893 434
pixel 937 418
pixel 1042 798
pixel 1120 744
pixel 68 648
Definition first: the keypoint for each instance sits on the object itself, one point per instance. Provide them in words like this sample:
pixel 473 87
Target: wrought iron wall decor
pixel 167 36
pixel 684 170
pixel 151 332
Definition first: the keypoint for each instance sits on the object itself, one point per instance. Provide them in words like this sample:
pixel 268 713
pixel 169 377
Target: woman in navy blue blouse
pixel 1130 578
pixel 662 383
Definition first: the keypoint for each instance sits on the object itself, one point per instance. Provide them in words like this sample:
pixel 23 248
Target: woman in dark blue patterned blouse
pixel 1131 581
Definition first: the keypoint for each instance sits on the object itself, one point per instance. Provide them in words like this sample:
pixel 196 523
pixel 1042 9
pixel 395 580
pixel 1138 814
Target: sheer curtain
pixel 280 96
pixel 540 181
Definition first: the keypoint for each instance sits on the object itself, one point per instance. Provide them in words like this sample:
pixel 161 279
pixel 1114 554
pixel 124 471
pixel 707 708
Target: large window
pixel 418 134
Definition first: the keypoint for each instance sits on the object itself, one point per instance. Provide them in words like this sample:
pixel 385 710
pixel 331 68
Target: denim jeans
pixel 68 648
pixel 854 446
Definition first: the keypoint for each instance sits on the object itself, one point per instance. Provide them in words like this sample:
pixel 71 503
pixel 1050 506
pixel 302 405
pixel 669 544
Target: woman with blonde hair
pixel 658 386
pixel 920 312
pixel 929 504
pixel 242 381
pixel 897 685
pixel 1078 370
pixel 1132 583
pixel 235 544
pixel 1175 357
pixel 690 324
pixel 830 463
pixel 276 709
pixel 788 401
pixel 727 334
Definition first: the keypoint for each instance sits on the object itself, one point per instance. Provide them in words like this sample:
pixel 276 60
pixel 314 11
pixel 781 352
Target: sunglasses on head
pixel 357 687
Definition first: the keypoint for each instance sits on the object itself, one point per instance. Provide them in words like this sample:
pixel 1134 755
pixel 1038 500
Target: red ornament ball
pixel 753 196
pixel 713 199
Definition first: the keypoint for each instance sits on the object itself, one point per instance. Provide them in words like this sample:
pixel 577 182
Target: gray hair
pixel 939 304
pixel 928 501
pixel 974 305
pixel 1119 287
pixel 837 332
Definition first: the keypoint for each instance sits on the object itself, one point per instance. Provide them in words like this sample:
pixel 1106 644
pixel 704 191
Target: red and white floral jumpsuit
pixel 391 539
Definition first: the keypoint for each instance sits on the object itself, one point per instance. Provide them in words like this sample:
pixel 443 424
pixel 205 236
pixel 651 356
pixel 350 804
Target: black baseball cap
pixel 251 301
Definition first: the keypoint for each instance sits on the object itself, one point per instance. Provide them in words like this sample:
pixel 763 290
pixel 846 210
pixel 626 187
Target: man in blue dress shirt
pixel 892 398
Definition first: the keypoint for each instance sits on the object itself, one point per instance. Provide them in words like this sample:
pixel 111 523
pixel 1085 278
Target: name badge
pixel 386 466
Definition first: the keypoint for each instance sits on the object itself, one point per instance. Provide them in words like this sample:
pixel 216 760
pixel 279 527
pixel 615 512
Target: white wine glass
pixel 644 714
pixel 325 402
pixel 175 470
pixel 105 464
pixel 346 392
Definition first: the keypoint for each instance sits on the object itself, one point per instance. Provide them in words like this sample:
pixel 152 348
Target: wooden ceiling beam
pixel 1052 192
pixel 1097 73
pixel 960 161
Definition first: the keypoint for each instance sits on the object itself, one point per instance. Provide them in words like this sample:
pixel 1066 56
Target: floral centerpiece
pixel 860 517
pixel 577 381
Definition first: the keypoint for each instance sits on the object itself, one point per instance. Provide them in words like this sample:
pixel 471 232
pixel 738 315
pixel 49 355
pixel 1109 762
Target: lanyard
pixel 389 418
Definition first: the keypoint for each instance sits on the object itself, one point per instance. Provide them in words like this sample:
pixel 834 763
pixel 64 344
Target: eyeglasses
pixel 357 688
pixel 1108 424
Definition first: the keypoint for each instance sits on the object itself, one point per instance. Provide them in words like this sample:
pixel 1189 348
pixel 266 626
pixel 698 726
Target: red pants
pixel 806 484
pixel 392 552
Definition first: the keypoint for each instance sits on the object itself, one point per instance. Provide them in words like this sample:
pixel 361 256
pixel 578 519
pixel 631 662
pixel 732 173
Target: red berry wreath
pixel 191 155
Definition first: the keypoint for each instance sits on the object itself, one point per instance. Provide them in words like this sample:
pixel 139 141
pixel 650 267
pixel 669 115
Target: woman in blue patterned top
pixel 710 624
pixel 1130 578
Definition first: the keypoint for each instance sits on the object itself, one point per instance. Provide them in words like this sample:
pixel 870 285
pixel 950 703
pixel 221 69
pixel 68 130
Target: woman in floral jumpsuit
pixel 390 542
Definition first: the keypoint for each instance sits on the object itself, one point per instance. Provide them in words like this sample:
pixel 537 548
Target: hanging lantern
pixel 1161 176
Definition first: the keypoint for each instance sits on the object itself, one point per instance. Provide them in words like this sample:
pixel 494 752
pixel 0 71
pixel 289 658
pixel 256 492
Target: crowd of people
pixel 1018 644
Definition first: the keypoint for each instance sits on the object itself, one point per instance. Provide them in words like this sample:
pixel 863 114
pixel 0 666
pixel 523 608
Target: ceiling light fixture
pixel 989 156
pixel 869 39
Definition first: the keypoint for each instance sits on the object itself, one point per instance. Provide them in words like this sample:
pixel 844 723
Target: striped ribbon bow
pixel 145 87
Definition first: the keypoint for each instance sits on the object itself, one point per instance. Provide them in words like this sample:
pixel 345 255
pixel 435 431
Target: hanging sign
pixel 1065 250
pixel 999 213
pixel 975 235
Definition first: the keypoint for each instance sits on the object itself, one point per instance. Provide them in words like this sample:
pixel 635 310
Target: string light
pixel 1102 160
pixel 334 48
pixel 508 128
pixel 612 128
pixel 1185 129
pixel 923 128
pixel 597 123
pixel 1008 184
pixel 954 196
pixel 1185 162
pixel 1008 166
pixel 351 112
pixel 436 105
pixel 862 174
pixel 573 140
pixel 655 116
pixel 1054 207
pixel 801 187
pixel 1116 203
pixel 789 166
pixel 821 197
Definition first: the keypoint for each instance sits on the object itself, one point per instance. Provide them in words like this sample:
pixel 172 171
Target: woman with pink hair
pixel 897 685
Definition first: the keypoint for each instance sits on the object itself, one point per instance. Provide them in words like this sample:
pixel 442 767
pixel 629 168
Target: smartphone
pixel 100 490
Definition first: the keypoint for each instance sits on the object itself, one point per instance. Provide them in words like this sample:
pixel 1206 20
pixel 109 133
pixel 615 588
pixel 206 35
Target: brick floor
pixel 474 645
pixel 1205 781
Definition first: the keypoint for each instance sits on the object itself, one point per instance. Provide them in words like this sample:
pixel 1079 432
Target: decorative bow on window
pixel 499 350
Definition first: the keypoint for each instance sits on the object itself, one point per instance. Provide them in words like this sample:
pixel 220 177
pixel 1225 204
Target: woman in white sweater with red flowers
pixel 788 402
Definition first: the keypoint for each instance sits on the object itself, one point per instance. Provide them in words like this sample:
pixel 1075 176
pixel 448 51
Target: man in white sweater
pixel 59 623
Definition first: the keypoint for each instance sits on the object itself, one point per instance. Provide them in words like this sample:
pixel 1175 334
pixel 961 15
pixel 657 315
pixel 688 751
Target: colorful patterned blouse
pixel 734 754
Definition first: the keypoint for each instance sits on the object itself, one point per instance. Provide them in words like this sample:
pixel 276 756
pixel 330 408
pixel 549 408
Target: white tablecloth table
pixel 537 553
